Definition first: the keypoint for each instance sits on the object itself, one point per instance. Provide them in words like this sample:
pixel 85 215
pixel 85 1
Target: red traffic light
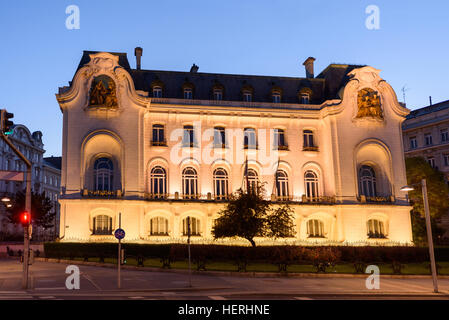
pixel 25 218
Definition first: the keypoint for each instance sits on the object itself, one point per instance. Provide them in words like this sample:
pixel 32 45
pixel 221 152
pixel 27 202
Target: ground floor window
pixel 102 225
pixel 159 226
pixel 376 229
pixel 315 228
pixel 195 225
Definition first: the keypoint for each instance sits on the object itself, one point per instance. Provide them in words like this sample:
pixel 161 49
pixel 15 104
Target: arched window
pixel 218 94
pixel 376 229
pixel 249 140
pixel 311 186
pixel 276 95
pixel 247 95
pixel 282 185
pixel 189 183
pixel 304 98
pixel 158 182
pixel 103 175
pixel 221 184
pixel 102 225
pixel 315 228
pixel 252 179
pixel 195 226
pixel 367 180
pixel 159 226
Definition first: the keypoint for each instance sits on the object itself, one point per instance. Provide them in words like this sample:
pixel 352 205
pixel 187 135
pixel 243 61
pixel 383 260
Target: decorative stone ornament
pixel 103 92
pixel 368 102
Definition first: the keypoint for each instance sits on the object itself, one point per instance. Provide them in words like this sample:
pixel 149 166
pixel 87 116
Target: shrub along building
pixel 161 146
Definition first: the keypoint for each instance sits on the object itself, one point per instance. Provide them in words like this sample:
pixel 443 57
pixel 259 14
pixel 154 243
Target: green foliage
pixel 41 209
pixel 437 189
pixel 249 215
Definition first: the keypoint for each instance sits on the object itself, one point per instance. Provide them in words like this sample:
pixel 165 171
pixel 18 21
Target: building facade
pixel 51 184
pixel 160 146
pixel 426 134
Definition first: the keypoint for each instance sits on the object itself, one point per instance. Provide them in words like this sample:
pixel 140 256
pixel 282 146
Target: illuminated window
pixel 159 226
pixel 376 229
pixel 279 139
pixel 221 184
pixel 102 225
pixel 103 174
pixel 315 228
pixel 311 185
pixel 158 135
pixel 282 185
pixel 308 140
pixel 195 226
pixel 189 183
pixel 158 182
pixel 367 180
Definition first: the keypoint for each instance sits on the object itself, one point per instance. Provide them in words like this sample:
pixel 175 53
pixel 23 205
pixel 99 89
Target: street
pixel 99 283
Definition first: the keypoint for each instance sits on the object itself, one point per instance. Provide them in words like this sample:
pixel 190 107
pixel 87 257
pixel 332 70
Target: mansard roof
pixel 54 162
pixel 323 87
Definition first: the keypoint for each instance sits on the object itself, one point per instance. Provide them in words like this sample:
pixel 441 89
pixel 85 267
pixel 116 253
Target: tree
pixel 249 215
pixel 41 209
pixel 437 191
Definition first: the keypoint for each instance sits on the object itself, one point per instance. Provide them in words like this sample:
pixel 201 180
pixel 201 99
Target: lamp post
pixel 423 184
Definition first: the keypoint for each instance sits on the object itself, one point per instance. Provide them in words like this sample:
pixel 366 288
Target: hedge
pixel 239 254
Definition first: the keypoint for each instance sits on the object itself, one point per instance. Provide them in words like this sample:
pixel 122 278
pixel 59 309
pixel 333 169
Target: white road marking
pixel 91 281
pixel 217 298
pixel 54 288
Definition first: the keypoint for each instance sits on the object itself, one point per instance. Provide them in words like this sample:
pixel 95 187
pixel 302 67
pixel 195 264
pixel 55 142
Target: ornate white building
pixel 159 146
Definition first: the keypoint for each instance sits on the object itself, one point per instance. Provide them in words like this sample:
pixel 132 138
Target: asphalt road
pixel 48 283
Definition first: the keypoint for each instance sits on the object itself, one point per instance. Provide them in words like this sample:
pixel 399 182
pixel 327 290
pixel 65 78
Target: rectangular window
pixel 157 92
pixel 188 139
pixel 444 135
pixel 219 137
pixel 431 161
pixel 218 94
pixel 158 135
pixel 446 159
pixel 428 139
pixel 250 141
pixel 247 97
pixel 279 139
pixel 188 93
pixel 413 143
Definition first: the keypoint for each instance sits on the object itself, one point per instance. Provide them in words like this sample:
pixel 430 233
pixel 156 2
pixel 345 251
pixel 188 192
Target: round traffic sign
pixel 119 234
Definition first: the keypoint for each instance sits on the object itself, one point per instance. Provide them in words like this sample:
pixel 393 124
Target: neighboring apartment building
pixel 51 184
pixel 31 145
pixel 426 134
pixel 161 146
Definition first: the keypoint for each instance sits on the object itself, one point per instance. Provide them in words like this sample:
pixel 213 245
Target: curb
pixel 235 273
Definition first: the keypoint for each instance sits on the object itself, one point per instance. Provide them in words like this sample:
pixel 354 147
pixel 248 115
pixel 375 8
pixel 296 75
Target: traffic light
pixel 25 218
pixel 6 122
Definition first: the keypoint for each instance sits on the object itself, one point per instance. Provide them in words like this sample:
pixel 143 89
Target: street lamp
pixel 428 228
pixel 6 199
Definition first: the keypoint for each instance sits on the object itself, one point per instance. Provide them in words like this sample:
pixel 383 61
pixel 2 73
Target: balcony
pixel 376 199
pixel 102 194
pixel 319 200
pixel 281 148
pixel 310 148
pixel 156 196
pixel 158 143
pixel 190 145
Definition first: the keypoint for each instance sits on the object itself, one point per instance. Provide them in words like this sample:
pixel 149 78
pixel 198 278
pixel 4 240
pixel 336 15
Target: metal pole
pixel 429 236
pixel 188 245
pixel 119 251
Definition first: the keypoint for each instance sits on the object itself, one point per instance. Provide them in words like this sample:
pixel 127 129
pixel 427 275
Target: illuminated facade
pixel 159 146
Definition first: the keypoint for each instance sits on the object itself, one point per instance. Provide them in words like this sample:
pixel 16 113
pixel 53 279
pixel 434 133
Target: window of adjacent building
pixel 218 94
pixel 376 229
pixel 279 139
pixel 367 180
pixel 158 135
pixel 45 179
pixel 247 96
pixel 431 161
pixel 219 137
pixel 413 143
pixel 311 185
pixel 308 140
pixel 188 93
pixel 189 183
pixel 103 174
pixel 305 98
pixel 221 184
pixel 444 135
pixel 159 226
pixel 158 182
pixel 282 185
pixel 195 226
pixel 315 228
pixel 446 159
pixel 102 225
pixel 51 179
pixel 157 92
pixel 188 138
pixel 252 179
pixel 428 139
pixel 249 140
pixel 276 96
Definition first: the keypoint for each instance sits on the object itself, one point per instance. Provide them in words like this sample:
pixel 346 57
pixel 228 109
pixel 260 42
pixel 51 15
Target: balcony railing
pixel 281 147
pixel 159 143
pixel 156 196
pixel 376 199
pixel 190 196
pixel 319 200
pixel 312 148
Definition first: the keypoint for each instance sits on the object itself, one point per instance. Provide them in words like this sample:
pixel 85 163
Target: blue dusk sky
pixel 39 54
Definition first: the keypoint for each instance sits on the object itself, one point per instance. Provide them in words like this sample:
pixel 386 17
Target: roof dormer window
pixel 218 94
pixel 157 92
pixel 276 95
pixel 247 96
pixel 305 98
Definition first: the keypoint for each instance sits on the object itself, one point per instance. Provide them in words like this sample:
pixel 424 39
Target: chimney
pixel 138 53
pixel 430 99
pixel 309 67
pixel 194 68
